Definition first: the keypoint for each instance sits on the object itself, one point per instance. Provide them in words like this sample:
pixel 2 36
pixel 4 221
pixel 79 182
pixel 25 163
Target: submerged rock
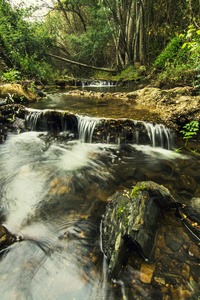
pixel 193 209
pixel 131 221
pixel 190 216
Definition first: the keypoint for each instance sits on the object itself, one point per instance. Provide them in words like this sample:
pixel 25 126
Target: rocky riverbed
pixel 175 106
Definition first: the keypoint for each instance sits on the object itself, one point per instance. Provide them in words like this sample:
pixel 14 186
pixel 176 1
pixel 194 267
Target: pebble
pixel 147 271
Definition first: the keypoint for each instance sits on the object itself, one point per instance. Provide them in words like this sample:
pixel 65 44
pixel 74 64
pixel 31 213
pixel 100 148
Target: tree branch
pixel 82 65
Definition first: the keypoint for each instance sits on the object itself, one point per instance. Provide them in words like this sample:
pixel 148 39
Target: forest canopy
pixel 115 34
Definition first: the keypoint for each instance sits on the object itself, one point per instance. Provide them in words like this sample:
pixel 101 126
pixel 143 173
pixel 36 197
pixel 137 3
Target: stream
pixel 54 190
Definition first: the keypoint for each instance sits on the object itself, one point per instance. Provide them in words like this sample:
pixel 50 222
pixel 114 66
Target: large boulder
pixel 17 91
pixel 132 220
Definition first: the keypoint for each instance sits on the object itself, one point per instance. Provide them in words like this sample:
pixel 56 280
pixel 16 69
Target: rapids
pixel 54 190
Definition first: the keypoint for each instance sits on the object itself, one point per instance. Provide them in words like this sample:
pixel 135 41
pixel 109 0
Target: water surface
pixel 53 194
pixel 95 107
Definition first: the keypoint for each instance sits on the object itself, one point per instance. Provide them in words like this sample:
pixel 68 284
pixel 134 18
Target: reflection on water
pixel 96 107
pixel 53 194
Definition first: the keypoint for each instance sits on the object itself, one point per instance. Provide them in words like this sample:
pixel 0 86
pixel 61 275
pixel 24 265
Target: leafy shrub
pixel 189 130
pixel 180 60
pixel 11 76
pixel 24 45
pixel 170 53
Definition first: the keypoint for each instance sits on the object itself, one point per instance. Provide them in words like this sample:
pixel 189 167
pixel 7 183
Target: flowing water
pixel 54 190
pixel 95 107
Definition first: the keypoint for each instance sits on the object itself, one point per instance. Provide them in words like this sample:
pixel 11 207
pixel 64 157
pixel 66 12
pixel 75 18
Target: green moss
pixel 126 222
pixel 65 113
pixel 129 73
pixel 137 189
pixel 120 210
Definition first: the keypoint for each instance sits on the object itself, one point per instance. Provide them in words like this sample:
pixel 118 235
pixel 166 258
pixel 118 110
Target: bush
pixel 24 46
pixel 180 60
pixel 172 51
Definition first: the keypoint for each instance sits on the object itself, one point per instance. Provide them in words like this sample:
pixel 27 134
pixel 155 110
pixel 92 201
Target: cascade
pixel 96 130
pixel 31 119
pixel 134 132
pixel 86 126
pixel 159 135
pixel 98 83
pixel 50 120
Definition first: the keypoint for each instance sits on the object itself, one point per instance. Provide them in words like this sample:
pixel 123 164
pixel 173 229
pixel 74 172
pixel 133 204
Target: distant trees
pixel 128 21
pixel 103 33
pixel 22 44
pixel 131 30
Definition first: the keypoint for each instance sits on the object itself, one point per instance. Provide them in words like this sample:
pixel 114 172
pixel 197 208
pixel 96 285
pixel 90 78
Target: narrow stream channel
pixel 54 190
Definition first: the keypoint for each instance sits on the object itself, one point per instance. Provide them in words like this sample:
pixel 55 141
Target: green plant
pixel 126 222
pixel 137 189
pixel 9 99
pixel 120 210
pixel 11 76
pixel 189 131
pixel 192 44
pixel 169 53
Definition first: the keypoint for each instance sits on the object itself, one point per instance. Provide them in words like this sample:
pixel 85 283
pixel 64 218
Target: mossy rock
pixel 17 91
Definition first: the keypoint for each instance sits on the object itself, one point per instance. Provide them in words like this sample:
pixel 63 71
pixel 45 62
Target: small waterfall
pixel 110 131
pixel 86 126
pixel 133 132
pixel 98 83
pixel 32 119
pixel 159 135
pixel 50 120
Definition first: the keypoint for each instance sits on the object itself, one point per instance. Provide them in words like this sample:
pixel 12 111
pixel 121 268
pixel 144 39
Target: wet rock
pixel 11 119
pixel 19 124
pixel 159 281
pixel 189 215
pixel 147 271
pixel 172 239
pixel 193 250
pixel 6 238
pixel 192 210
pixel 131 221
pixel 187 183
pixel 185 271
pixel 178 293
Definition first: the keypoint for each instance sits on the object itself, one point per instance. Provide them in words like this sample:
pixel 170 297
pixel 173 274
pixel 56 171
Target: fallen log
pixel 83 65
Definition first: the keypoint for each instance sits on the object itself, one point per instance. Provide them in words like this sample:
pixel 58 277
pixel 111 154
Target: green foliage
pixel 128 74
pixel 24 45
pixel 170 53
pixel 192 43
pixel 137 189
pixel 120 210
pixel 11 76
pixel 189 130
pixel 90 46
pixel 180 60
